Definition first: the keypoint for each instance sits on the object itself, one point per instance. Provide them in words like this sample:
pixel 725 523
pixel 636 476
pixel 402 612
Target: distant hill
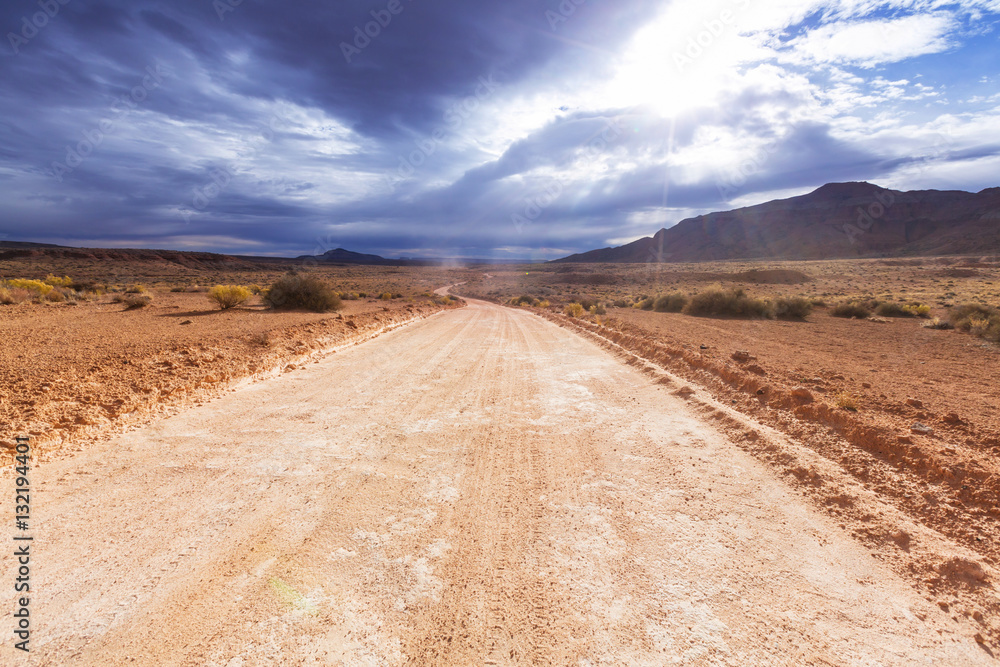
pixel 342 256
pixel 27 244
pixel 838 220
pixel 191 260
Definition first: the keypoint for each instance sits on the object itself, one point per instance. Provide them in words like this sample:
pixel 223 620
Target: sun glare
pixel 681 60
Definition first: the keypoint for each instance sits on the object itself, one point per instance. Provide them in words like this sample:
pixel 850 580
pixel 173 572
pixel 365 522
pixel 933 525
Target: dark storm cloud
pixel 91 150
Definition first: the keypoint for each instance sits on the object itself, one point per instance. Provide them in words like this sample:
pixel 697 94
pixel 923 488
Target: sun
pixel 682 60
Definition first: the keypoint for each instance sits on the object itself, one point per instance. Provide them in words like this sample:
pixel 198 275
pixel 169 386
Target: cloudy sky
pixel 522 128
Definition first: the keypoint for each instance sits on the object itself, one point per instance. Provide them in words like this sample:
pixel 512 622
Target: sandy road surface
pixel 481 487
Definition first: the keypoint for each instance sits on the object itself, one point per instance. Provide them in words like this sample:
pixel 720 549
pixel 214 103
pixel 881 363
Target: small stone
pixel 866 385
pixel 979 638
pixel 704 347
pixel 952 418
pixel 802 394
pixel 977 616
pixel 914 403
pixel 922 429
pixel 742 356
pixel 905 439
pixel 187 322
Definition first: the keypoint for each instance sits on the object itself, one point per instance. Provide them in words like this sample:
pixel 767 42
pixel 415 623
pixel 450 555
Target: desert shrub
pixel 670 303
pixel 55 296
pixel 622 303
pixel 12 295
pixel 36 287
pixel 255 289
pixel 544 303
pixel 363 295
pixel 385 296
pixel 645 304
pixel 963 316
pixel 732 302
pixel 352 296
pixel 846 401
pixel 977 319
pixel 917 309
pixel 573 310
pixel 178 289
pixel 523 300
pixel 56 281
pixel 229 296
pixel 136 300
pixel 135 289
pixel 597 309
pixel 889 309
pixel 938 323
pixel 297 291
pixel 89 286
pixel 818 302
pixel 850 309
pixel 792 307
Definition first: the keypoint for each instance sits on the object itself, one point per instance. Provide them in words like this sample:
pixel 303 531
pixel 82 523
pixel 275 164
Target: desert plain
pixel 495 477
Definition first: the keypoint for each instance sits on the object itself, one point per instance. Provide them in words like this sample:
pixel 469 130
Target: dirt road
pixel 481 487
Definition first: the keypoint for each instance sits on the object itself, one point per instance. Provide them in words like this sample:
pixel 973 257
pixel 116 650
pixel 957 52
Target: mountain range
pixel 838 220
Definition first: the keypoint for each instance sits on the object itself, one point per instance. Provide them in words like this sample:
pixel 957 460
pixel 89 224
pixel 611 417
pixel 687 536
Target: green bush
pixel 229 296
pixel 732 302
pixel 670 303
pixel 293 290
pixel 573 310
pixel 850 309
pixel 645 304
pixel 792 307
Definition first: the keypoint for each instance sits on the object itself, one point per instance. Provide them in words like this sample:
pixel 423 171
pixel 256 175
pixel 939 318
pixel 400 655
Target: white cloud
pixel 870 43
